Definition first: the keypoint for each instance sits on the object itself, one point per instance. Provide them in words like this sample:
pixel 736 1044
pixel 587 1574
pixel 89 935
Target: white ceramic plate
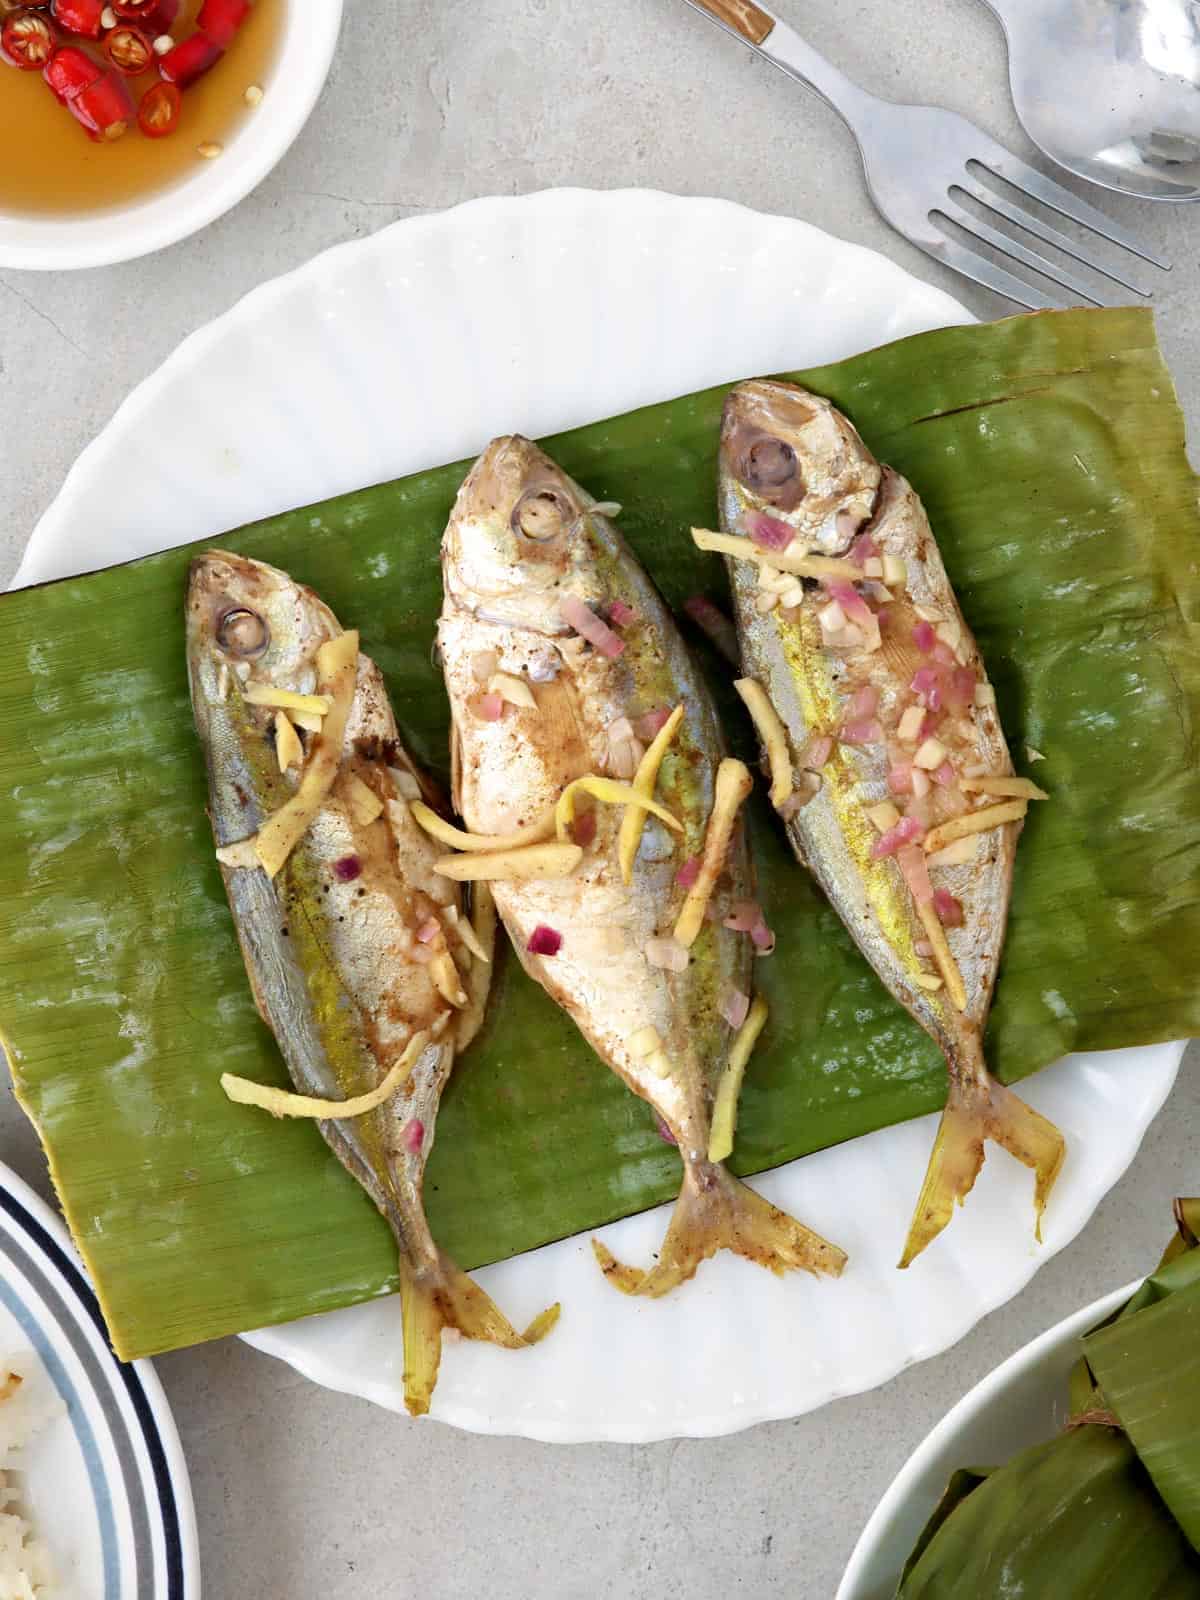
pixel 1021 1403
pixel 104 1482
pixel 412 348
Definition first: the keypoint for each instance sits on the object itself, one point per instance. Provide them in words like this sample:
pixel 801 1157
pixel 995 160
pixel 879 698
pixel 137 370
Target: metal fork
pixel 920 162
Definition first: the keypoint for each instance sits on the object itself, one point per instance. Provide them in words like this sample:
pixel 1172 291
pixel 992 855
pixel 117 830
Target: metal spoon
pixel 1111 89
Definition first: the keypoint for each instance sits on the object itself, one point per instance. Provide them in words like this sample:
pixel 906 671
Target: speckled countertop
pixel 301 1493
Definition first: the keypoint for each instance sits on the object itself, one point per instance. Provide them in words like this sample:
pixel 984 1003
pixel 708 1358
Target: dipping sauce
pixel 51 165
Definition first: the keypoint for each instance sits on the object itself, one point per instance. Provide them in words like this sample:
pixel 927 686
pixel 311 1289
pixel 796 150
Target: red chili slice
pixel 79 16
pixel 158 114
pixel 27 41
pixel 70 71
pixel 190 59
pixel 128 50
pixel 221 19
pixel 152 16
pixel 104 108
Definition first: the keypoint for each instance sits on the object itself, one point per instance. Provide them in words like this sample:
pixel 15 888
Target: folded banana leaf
pixel 1049 451
pixel 1110 1506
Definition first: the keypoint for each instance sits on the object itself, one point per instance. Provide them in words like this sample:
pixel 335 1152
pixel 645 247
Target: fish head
pixel 249 620
pixel 791 455
pixel 520 537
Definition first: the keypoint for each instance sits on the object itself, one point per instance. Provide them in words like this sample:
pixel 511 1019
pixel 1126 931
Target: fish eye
pixel 769 463
pixel 243 633
pixel 542 514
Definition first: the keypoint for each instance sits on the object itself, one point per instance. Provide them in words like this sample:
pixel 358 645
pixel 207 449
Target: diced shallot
pixel 584 620
pixel 949 910
pixel 743 917
pixel 927 684
pixel 912 863
pixel 429 930
pixel 414 1136
pixel 769 533
pixel 544 941
pixel 649 724
pixel 863 549
pixel 923 948
pixel 865 731
pixel 909 830
pixel 924 637
pixel 622 614
pixel 945 775
pixel 960 690
pixel 667 953
pixel 865 702
pixel 852 603
pixel 900 776
pixel 735 1007
pixel 490 707
pixel 764 939
pixel 816 752
pixel 688 872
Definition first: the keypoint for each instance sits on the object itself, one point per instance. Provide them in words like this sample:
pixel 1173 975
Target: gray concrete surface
pixel 301 1493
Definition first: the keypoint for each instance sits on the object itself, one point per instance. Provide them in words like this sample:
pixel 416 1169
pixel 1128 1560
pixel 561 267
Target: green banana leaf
pixel 1070 1519
pixel 1112 1505
pixel 1049 451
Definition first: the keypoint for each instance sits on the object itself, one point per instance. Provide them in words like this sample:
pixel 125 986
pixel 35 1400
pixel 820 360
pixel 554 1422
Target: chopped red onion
pixel 490 707
pixel 909 830
pixel 913 865
pixel 715 624
pixel 900 777
pixel 622 614
pixel 544 941
pixel 768 532
pixel 863 549
pixel 926 681
pixel 429 930
pixel 735 1007
pixel 924 637
pixel 960 690
pixel 764 939
pixel 668 953
pixel 647 726
pixel 688 872
pixel 583 828
pixel 584 620
pixel 865 702
pixel 923 948
pixel 949 910
pixel 945 775
pixel 816 752
pixel 865 731
pixel 414 1136
pixel 851 602
pixel 743 917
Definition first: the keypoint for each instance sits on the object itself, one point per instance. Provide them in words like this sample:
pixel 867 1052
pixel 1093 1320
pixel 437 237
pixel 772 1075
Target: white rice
pixel 25 1409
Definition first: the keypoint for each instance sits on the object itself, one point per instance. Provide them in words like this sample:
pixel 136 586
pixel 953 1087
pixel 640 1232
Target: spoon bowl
pixel 1110 89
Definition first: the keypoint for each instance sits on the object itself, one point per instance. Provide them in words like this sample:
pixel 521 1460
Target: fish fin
pixel 716 1212
pixel 441 1295
pixel 977 1110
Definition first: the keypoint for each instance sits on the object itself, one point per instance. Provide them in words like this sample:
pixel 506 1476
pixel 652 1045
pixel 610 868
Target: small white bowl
pixel 1022 1402
pixel 121 233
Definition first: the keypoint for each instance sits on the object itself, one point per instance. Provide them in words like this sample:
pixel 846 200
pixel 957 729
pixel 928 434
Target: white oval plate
pixel 412 348
pixel 104 1483
pixel 1021 1403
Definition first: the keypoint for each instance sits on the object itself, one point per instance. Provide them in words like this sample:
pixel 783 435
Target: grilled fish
pixel 523 546
pixel 356 947
pixel 847 620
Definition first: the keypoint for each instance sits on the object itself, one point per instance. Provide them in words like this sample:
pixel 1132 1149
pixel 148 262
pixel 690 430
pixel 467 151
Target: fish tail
pixel 716 1212
pixel 436 1295
pixel 981 1108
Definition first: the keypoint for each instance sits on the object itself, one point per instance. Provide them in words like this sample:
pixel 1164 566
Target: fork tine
pixel 1016 251
pixel 1032 222
pixel 1022 176
pixel 986 272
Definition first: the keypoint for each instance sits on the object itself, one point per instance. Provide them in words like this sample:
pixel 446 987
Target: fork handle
pixel 770 37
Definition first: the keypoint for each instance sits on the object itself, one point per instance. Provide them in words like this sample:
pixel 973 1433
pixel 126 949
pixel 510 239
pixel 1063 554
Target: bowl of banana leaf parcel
pixel 1070 1472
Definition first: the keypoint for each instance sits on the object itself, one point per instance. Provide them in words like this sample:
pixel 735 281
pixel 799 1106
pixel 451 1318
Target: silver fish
pixel 522 538
pixel 848 673
pixel 330 944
